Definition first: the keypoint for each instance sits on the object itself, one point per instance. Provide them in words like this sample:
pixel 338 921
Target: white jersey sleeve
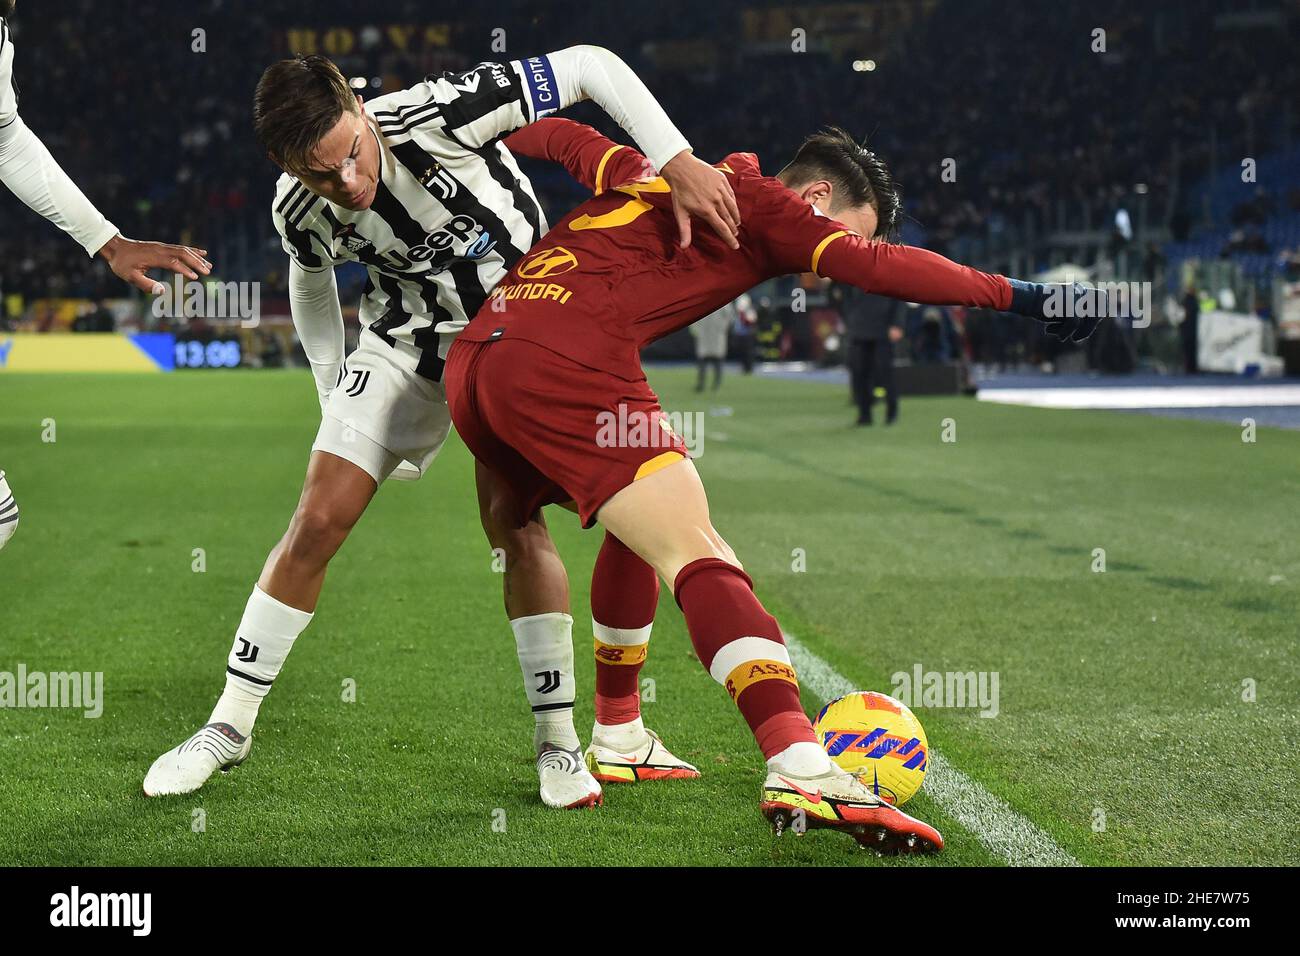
pixel 313 291
pixel 318 320
pixel 481 105
pixel 31 173
pixel 8 92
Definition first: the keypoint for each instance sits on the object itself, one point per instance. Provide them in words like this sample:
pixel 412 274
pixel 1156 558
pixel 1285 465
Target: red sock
pixel 741 646
pixel 624 595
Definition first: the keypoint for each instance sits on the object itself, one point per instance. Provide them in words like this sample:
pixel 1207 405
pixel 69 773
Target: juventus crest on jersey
pixel 451 213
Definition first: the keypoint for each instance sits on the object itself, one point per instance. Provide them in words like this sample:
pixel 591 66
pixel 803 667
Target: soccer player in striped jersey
pixel 31 174
pixel 417 187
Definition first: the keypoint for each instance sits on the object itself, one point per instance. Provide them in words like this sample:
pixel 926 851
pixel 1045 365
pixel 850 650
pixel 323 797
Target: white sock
pixel 263 640
pixel 544 643
pixel 619 736
pixel 802 759
pixel 236 706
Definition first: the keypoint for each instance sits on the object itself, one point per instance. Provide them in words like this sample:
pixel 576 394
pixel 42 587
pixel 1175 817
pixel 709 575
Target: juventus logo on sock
pixel 262 642
pixel 545 646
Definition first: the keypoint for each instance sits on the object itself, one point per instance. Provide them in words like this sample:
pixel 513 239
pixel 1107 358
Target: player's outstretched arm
pixel 31 174
pixel 918 275
pixel 909 273
pixel 318 320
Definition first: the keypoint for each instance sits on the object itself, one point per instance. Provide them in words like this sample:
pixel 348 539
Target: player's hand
pixel 131 261
pixel 700 190
pixel 895 334
pixel 1069 311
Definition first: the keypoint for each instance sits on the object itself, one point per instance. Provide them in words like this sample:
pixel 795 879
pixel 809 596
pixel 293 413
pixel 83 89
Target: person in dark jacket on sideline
pixel 872 324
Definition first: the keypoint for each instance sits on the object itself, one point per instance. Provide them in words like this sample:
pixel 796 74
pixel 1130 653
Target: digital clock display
pixel 218 353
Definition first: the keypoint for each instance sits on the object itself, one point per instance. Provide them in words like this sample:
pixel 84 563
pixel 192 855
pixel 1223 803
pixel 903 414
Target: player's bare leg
pixel 534 578
pixel 536 589
pixel 334 496
pixel 624 598
pixel 664 518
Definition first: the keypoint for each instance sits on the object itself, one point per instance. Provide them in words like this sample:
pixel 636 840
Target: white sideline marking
pixel 1236 396
pixel 1013 837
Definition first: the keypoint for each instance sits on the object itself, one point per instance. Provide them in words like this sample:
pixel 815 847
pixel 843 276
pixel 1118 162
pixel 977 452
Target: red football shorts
pixel 553 429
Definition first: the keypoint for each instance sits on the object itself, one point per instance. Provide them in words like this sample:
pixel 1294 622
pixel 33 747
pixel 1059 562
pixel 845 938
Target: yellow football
pixel 879 739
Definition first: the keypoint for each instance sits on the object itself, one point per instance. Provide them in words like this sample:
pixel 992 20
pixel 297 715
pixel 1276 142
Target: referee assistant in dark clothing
pixel 872 324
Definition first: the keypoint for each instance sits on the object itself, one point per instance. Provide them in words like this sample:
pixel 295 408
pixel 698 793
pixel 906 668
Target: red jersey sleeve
pixel 795 238
pixel 910 273
pixel 594 160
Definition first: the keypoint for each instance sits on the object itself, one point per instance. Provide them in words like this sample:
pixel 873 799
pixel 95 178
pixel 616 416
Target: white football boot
pixel 185 768
pixel 8 511
pixel 634 756
pixel 840 801
pixel 565 782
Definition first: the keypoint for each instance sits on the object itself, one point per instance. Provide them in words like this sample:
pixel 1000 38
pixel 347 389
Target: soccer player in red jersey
pixel 545 387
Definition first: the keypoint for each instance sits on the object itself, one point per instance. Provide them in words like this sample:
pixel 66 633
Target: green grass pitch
pixel 1121 693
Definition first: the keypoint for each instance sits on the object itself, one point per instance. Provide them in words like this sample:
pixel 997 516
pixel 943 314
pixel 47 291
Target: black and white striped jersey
pixel 451 213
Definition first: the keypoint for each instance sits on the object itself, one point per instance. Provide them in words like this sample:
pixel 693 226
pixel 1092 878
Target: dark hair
pixel 296 103
pixel 7 8
pixel 859 176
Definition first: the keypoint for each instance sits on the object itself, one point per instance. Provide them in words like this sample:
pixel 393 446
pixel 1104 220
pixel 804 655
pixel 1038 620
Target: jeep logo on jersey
pixel 439 248
pixel 548 262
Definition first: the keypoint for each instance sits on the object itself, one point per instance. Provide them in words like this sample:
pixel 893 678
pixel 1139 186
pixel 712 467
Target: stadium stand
pixel 1045 150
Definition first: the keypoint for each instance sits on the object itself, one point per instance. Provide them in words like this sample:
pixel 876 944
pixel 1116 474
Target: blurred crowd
pixel 1047 123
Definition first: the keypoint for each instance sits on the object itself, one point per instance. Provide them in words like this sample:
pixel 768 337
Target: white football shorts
pixel 382 413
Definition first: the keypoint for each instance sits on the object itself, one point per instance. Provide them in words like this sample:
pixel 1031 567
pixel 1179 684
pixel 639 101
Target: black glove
pixel 1070 312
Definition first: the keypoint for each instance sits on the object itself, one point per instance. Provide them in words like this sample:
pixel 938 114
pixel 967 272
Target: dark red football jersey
pixel 611 277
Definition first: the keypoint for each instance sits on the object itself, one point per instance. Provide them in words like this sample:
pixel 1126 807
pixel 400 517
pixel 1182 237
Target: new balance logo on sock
pixel 247 651
pixel 550 681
